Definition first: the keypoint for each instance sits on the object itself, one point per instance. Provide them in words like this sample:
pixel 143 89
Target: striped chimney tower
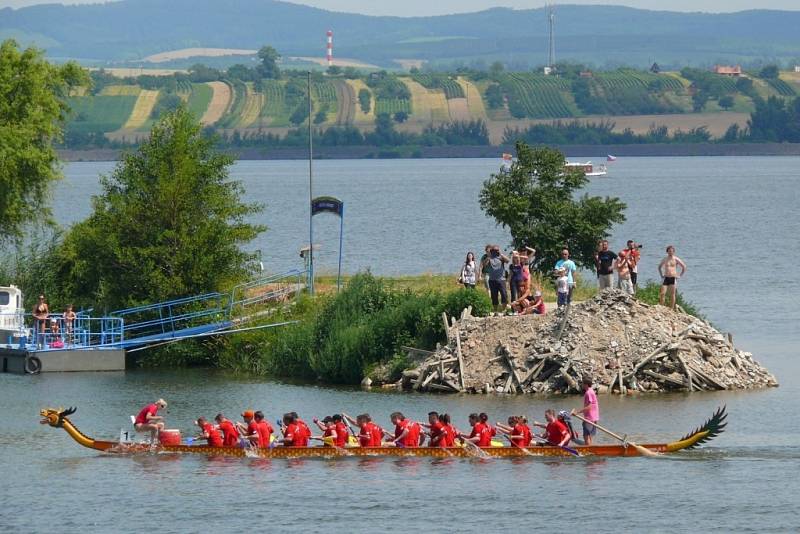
pixel 330 48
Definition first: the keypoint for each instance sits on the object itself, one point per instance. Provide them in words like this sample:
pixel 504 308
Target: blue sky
pixel 427 7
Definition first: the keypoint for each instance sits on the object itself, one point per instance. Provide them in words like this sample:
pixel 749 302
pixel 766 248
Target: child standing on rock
pixel 562 287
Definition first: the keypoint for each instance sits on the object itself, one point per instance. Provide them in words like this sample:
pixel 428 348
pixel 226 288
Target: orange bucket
pixel 170 436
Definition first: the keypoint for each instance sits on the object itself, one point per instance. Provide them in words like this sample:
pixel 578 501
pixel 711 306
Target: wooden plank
pixel 510 362
pixel 413 349
pixel 460 360
pixel 446 326
pixel 707 378
pixel 664 378
pixel 685 370
pixel 428 380
pixel 622 388
pixel 535 371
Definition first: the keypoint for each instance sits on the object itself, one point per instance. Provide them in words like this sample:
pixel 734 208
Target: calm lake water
pixel 733 220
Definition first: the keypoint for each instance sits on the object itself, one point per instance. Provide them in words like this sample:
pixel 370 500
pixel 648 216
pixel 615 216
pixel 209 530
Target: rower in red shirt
pixel 449 438
pixel 305 432
pixel 406 431
pixel 556 433
pixel 249 429
pixel 209 433
pixel 342 434
pixel 293 434
pixel 230 436
pixel 329 433
pixel 437 431
pixel 370 434
pixel 264 431
pixel 481 434
pixel 516 431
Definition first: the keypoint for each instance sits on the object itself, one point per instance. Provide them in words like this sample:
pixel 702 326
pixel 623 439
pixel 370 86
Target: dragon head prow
pixel 55 416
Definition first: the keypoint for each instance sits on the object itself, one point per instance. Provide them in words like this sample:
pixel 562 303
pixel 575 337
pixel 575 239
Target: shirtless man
pixel 668 270
pixel 624 267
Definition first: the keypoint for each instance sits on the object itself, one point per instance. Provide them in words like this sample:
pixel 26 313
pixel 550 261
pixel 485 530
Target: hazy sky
pixel 437 7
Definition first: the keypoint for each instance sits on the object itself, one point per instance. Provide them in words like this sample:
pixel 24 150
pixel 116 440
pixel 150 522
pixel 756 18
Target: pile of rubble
pixel 622 344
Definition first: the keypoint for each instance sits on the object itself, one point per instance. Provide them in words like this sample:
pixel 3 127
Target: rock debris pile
pixel 624 345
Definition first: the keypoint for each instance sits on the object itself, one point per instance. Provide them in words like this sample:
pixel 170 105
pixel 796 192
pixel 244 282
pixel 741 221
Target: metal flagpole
pixel 310 195
pixel 341 233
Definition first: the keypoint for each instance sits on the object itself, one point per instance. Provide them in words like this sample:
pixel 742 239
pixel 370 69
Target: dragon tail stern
pixel 708 431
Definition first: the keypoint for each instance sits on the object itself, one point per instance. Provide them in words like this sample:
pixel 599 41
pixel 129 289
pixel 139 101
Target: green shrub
pixel 342 337
pixel 649 295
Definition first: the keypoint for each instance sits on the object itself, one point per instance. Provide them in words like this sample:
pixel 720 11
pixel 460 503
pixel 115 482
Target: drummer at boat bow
pixel 148 419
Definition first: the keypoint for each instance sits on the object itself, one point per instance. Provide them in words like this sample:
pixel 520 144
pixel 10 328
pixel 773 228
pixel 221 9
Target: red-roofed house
pixel 728 70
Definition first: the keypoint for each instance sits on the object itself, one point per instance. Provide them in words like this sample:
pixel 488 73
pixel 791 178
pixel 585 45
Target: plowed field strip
pixel 474 101
pixel 142 109
pixel 347 100
pixel 252 107
pixel 220 100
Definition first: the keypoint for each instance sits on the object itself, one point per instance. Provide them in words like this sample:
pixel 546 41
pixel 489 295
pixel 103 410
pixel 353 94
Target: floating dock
pixel 88 343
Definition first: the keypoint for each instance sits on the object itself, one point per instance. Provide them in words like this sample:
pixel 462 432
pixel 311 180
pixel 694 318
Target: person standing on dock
pixel 604 261
pixel 569 268
pixel 590 410
pixel 40 313
pixel 148 419
pixel 668 271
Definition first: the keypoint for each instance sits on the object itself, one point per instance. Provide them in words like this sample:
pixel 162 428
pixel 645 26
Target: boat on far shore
pixel 588 168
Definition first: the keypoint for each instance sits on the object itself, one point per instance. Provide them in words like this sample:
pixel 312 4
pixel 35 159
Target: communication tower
pixel 330 48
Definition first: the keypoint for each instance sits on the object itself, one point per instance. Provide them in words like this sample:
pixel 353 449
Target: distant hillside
pixel 134 29
pixel 236 103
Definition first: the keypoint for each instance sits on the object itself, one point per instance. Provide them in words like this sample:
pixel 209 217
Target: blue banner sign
pixel 327 205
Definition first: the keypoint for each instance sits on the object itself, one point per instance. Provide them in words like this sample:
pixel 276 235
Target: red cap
pixel 248 413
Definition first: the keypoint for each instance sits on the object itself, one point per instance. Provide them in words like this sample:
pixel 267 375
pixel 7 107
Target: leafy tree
pixel 299 115
pixel 167 223
pixel 537 201
pixel 167 102
pixel 364 100
pixel 269 63
pixel 321 115
pixel 726 102
pixel 333 70
pixel 745 86
pixel 769 72
pixel 494 96
pixel 496 69
pixel 199 73
pixel 400 117
pixel 33 109
pixel 241 72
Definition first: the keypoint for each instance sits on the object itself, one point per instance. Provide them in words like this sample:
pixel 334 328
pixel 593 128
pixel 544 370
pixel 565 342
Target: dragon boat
pixel 58 418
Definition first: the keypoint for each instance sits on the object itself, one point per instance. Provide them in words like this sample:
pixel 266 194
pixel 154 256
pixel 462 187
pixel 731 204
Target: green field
pixel 392 106
pixel 199 98
pixel 99 113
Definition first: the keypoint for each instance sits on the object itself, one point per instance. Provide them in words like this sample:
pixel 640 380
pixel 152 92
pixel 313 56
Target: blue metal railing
pixel 57 333
pixel 142 324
